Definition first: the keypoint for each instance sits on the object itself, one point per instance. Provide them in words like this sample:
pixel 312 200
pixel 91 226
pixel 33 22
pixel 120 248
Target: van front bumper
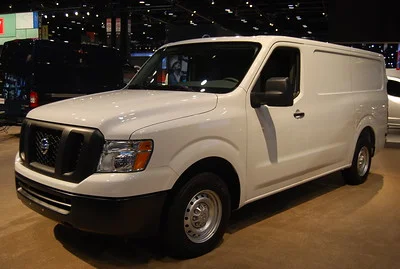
pixel 114 216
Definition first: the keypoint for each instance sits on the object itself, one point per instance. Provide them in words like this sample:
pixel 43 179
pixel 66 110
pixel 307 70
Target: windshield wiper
pixel 176 87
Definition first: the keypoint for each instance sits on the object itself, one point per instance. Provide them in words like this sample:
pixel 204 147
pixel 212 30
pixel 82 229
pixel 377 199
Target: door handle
pixel 298 114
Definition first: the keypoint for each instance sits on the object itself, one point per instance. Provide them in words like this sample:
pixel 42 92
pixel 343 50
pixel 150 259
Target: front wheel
pixel 197 217
pixel 358 172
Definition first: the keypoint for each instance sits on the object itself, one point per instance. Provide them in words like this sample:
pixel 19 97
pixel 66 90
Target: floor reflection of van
pixel 37 72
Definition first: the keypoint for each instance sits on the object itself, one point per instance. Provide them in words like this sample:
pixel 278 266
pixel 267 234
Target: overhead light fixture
pixel 309 32
pixel 228 10
pixel 298 18
pixel 45 16
pixel 247 3
pixel 88 13
pixel 276 30
pixel 194 12
pixel 291 6
pixel 76 13
pixel 53 16
pixel 66 15
pixel 57 3
pixel 323 13
pixel 243 20
pixel 97 15
pixel 141 2
pixel 271 24
pixel 305 26
pixel 147 4
pixel 256 28
pixel 250 5
pixel 212 3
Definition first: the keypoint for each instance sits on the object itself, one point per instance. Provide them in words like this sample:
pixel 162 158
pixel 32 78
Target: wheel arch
pixel 219 166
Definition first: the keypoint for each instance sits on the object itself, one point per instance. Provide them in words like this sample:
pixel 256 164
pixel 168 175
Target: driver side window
pixel 283 62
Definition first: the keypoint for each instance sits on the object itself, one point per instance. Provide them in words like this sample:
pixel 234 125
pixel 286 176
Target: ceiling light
pixel 212 3
pixel 141 2
pixel 291 6
pixel 251 6
pixel 305 26
pixel 260 15
pixel 144 33
pixel 247 3
pixel 88 13
pixel 76 13
pixel 323 13
pixel 271 24
pixel 298 18
pixel 194 11
pixel 97 15
pixel 45 16
pixel 53 16
pixel 256 28
pixel 147 4
pixel 57 3
pixel 276 29
pixel 66 15
pixel 297 4
pixel 309 32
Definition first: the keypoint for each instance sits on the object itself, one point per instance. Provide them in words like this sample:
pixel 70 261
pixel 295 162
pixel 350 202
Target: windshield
pixel 202 67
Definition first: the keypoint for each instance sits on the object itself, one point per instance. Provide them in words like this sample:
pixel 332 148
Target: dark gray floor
pixel 322 224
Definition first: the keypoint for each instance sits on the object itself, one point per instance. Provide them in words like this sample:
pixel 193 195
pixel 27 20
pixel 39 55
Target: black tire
pixel 177 232
pixel 353 175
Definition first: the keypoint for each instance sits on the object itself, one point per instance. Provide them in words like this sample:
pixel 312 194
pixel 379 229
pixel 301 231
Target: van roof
pixel 264 39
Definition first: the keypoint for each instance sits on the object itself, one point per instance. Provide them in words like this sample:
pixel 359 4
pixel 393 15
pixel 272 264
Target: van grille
pixel 43 138
pixel 64 152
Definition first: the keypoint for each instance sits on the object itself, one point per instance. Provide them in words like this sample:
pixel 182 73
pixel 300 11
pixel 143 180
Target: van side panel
pixel 332 111
pixel 370 97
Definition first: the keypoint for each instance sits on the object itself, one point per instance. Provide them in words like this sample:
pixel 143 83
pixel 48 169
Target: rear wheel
pixel 358 172
pixel 197 217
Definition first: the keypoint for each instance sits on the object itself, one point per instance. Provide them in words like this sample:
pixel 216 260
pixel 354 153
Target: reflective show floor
pixel 322 224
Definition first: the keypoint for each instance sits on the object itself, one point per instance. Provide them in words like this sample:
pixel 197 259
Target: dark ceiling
pixel 151 18
pixel 154 22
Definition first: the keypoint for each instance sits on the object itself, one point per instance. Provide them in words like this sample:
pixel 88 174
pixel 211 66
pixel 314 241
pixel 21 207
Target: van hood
pixel 119 113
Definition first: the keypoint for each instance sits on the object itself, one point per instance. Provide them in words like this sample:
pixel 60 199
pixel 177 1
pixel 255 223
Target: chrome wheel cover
pixel 363 161
pixel 202 216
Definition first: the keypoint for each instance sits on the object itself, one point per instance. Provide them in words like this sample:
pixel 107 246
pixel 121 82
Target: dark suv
pixel 37 72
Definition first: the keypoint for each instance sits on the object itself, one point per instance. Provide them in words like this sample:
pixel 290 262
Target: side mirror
pixel 276 92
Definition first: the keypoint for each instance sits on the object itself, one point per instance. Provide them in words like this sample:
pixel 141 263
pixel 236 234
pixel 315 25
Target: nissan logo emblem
pixel 44 146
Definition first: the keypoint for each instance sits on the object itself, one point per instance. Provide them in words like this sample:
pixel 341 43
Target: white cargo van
pixel 206 127
pixel 393 89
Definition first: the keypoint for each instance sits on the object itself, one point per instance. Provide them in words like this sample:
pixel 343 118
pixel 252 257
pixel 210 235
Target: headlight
pixel 125 156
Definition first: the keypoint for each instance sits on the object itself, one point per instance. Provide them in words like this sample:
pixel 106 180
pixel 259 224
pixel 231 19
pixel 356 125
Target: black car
pixel 37 72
